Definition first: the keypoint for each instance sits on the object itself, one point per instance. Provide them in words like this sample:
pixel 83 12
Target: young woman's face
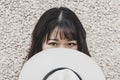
pixel 56 42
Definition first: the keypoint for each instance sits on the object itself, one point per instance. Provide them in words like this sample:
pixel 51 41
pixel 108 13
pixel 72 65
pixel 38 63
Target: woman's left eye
pixel 72 44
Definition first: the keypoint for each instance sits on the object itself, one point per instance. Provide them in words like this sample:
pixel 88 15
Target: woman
pixel 58 28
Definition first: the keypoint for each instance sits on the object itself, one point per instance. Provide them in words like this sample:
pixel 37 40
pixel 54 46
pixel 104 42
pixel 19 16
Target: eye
pixel 53 44
pixel 71 44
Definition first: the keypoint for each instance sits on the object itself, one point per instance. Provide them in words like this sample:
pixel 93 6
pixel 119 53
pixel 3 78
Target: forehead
pixel 59 33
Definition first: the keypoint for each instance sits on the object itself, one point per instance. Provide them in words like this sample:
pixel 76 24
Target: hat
pixel 61 64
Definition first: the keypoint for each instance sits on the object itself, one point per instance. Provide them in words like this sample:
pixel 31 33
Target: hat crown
pixel 64 74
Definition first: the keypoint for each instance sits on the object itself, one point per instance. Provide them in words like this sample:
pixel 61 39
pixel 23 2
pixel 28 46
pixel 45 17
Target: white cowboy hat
pixel 61 64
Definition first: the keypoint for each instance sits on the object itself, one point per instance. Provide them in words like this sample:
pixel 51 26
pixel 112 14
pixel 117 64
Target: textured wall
pixel 101 19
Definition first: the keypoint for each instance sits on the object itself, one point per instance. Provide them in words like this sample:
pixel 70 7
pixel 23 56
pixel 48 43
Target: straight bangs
pixel 64 28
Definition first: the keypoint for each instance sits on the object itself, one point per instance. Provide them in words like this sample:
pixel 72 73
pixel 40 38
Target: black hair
pixel 68 25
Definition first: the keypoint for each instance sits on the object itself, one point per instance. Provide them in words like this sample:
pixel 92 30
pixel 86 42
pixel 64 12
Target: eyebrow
pixel 53 39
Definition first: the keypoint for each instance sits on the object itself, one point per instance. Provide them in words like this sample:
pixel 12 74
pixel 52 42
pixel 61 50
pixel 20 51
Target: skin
pixel 57 42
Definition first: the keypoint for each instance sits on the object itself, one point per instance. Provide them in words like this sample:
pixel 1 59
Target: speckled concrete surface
pixel 101 19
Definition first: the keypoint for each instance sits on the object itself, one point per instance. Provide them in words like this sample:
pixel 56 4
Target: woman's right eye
pixel 53 44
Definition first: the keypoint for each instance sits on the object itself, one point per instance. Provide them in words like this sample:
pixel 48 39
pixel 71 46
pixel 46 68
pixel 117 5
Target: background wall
pixel 100 18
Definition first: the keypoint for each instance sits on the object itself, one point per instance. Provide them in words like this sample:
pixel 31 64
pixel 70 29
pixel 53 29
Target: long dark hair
pixel 67 23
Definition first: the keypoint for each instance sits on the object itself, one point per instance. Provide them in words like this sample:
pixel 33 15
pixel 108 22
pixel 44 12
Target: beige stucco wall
pixel 101 20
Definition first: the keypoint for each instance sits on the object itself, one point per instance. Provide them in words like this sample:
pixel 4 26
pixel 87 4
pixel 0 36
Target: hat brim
pixel 47 60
